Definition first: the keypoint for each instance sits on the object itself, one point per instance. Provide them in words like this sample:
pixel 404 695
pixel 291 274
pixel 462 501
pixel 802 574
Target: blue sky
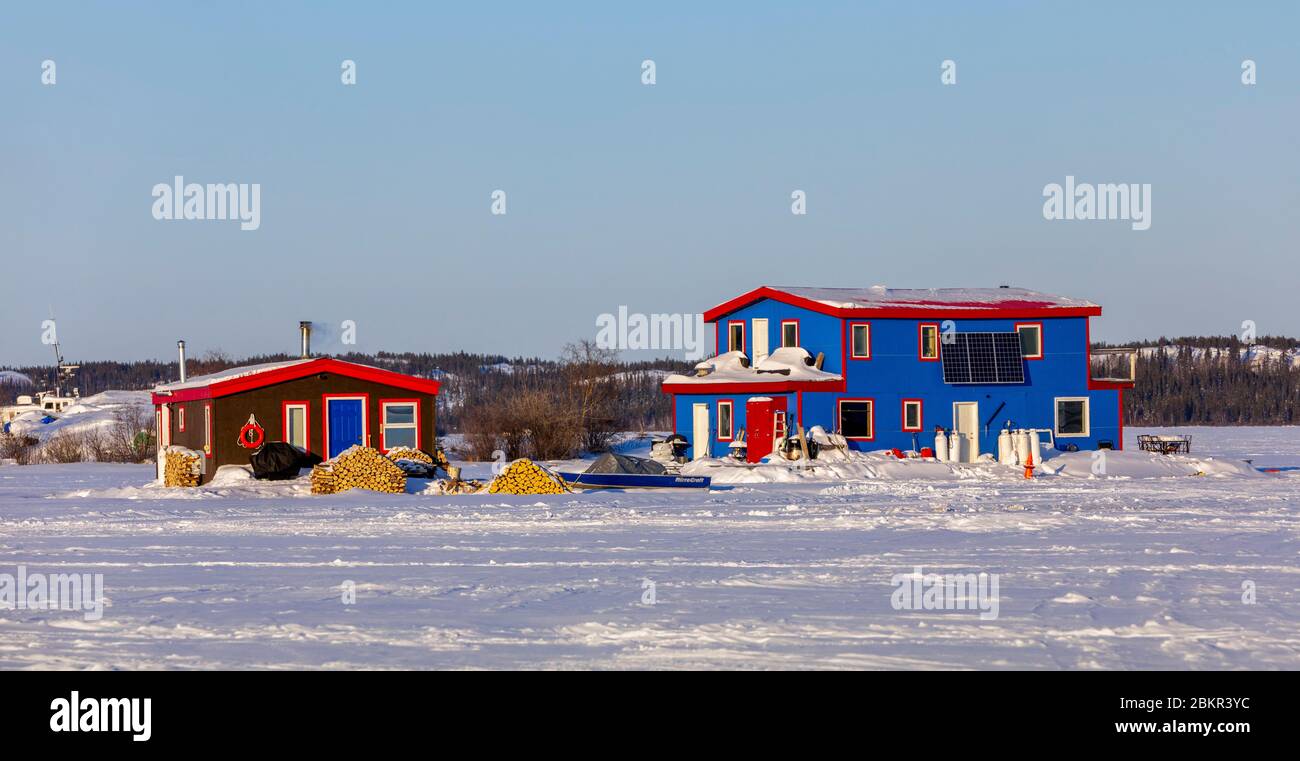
pixel 671 198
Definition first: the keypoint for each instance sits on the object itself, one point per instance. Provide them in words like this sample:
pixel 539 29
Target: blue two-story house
pixel 885 366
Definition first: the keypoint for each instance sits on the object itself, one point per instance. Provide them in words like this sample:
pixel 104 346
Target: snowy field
pixel 1141 569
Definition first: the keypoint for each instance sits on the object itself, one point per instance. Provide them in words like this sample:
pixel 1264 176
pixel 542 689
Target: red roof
pixel 878 301
pixel 238 379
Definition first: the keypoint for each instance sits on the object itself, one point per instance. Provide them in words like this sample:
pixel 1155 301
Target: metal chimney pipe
pixel 180 349
pixel 304 327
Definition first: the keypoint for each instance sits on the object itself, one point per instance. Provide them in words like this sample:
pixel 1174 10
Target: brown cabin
pixel 321 405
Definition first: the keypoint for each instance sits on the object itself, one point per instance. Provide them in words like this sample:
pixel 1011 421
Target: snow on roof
pixel 199 381
pixel 881 297
pixel 786 364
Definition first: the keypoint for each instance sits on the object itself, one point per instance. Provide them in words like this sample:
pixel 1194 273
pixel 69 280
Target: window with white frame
pixel 295 425
pixel 1031 340
pixel 736 336
pixel 911 414
pixel 726 425
pixel 1072 418
pixel 789 333
pixel 857 418
pixel 400 426
pixel 860 340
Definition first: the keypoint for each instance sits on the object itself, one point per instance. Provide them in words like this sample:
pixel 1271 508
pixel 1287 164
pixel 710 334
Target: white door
pixel 163 419
pixel 966 422
pixel 700 437
pixel 760 339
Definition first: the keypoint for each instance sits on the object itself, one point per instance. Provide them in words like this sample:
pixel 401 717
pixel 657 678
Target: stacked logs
pixel 181 467
pixel 359 468
pixel 527 477
pixel 322 479
pixel 412 461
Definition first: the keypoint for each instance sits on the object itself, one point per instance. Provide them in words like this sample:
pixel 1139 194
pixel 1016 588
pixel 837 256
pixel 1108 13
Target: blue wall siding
pixel 894 373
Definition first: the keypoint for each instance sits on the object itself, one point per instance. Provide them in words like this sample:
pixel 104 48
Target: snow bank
pixel 1139 464
pixel 92 412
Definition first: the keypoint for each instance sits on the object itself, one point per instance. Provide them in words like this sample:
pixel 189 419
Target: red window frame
pixel 306 420
pixel 920 415
pixel 795 323
pixel 717 421
pixel 744 336
pixel 1038 325
pixel 839 417
pixel 852 355
pixel 920 341
pixel 383 425
pixel 208 444
pixel 180 419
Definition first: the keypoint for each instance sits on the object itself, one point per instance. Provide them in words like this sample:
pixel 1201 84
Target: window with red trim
pixel 928 341
pixel 180 419
pixel 789 333
pixel 857 419
pixel 912 415
pixel 207 430
pixel 1031 339
pixel 399 423
pixel 859 340
pixel 726 419
pixel 736 336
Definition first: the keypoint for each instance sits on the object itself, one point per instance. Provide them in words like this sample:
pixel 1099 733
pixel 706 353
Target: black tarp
pixel 279 461
pixel 621 463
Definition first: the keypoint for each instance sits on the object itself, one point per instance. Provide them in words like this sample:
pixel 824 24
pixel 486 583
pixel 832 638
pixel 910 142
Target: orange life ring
pixel 259 435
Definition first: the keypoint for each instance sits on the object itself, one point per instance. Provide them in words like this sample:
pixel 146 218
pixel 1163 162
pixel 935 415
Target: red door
pixel 764 422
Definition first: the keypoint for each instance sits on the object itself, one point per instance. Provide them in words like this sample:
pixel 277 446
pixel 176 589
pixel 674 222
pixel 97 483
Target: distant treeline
pixel 1183 385
pixel 468 380
pixel 1212 380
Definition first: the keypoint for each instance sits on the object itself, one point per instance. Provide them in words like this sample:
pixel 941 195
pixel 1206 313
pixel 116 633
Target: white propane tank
pixel 954 447
pixel 1022 446
pixel 940 446
pixel 1005 452
pixel 1035 447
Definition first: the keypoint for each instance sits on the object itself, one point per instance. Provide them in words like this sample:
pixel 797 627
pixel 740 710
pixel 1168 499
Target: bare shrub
pixel 65 446
pixel 131 437
pixel 546 423
pixel 481 430
pixel 20 449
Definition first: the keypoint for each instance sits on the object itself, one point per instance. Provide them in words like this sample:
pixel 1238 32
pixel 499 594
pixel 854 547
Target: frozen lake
pixel 1132 572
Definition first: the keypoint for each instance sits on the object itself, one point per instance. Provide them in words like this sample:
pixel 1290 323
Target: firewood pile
pixel 412 461
pixel 527 477
pixel 181 466
pixel 358 468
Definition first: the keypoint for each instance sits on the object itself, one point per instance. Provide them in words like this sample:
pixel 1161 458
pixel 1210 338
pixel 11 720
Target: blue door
pixel 346 421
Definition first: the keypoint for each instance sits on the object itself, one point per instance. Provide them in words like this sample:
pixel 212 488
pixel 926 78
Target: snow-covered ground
pixel 1138 569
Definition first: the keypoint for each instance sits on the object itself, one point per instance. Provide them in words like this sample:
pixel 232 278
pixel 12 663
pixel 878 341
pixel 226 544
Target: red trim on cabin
pixel 839 417
pixel 294 372
pixel 852 355
pixel 325 419
pixel 736 387
pixel 744 336
pixel 1120 443
pixel 180 420
pixel 799 405
pixel 795 323
pixel 933 310
pixel 672 400
pixel 383 440
pixel 306 420
pixel 717 338
pixel 920 342
pixel 1041 342
pixel 718 423
pixel 920 415
pixel 209 444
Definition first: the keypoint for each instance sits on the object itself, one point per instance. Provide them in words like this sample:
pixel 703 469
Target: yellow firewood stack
pixel 366 468
pixel 322 479
pixel 181 467
pixel 527 477
pixel 412 461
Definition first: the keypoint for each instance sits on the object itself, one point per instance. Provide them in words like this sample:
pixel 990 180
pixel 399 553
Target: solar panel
pixel 982 358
